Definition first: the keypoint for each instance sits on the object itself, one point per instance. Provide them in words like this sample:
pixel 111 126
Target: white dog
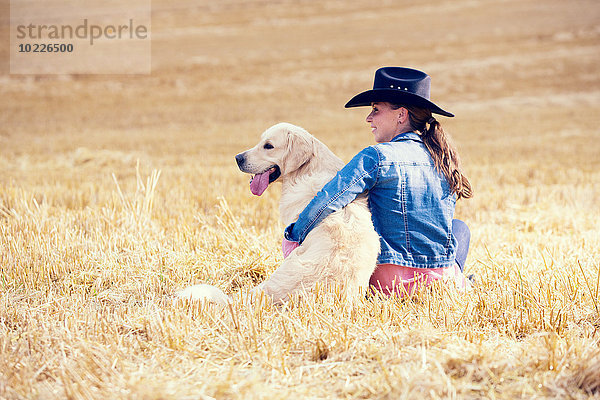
pixel 341 250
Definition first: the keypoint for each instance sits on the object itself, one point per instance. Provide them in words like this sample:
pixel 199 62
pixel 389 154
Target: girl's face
pixel 386 123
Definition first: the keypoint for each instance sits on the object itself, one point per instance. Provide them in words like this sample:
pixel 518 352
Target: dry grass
pixel 93 244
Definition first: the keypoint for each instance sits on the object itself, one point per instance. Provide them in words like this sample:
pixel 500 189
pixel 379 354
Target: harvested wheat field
pixel 116 191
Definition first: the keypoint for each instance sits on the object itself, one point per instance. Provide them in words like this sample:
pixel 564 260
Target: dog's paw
pixel 203 292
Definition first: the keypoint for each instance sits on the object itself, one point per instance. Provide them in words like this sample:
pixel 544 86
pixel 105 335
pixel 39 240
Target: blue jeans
pixel 461 232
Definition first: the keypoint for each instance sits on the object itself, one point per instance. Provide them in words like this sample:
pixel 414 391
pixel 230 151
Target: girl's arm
pixel 358 175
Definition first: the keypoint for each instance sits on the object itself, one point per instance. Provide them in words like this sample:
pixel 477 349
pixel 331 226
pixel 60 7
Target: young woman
pixel 413 179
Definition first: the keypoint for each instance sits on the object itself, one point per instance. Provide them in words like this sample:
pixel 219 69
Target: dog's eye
pixel 268 146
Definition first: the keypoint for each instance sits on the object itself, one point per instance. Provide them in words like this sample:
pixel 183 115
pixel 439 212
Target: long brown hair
pixel 442 150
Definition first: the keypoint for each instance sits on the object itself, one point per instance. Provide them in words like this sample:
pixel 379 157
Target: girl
pixel 413 179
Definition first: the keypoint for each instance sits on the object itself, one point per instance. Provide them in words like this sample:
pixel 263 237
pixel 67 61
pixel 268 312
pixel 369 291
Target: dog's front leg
pixel 203 292
pixel 297 272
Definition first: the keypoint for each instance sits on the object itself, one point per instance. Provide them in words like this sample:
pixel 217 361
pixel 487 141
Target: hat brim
pixel 394 96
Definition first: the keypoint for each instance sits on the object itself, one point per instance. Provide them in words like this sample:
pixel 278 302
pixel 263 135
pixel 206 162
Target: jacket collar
pixel 407 136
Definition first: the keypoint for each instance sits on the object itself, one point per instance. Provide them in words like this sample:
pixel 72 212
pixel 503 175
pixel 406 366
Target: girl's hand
pixel 287 247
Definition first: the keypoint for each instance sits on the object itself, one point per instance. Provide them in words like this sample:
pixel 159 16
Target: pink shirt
pixel 391 278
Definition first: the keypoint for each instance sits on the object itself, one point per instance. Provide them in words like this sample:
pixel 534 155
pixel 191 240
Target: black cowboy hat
pixel 399 85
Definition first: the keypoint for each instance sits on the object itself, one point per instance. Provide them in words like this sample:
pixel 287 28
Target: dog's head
pixel 282 150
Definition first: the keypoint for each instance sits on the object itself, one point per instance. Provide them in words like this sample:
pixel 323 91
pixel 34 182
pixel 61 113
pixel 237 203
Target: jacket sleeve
pixel 358 176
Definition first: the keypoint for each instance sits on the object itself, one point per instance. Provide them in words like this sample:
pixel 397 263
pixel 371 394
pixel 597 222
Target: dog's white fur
pixel 341 250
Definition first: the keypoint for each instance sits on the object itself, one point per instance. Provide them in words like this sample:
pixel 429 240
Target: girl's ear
pixel 402 115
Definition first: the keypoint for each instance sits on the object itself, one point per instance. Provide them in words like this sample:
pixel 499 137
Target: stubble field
pixel 116 191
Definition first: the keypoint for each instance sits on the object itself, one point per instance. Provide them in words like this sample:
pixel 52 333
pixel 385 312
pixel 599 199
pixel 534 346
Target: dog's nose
pixel 240 159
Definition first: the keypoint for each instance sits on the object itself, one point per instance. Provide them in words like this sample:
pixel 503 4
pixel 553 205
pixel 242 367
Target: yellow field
pixel 116 191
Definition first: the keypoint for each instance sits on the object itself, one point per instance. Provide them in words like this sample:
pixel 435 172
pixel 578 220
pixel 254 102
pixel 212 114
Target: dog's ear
pixel 299 151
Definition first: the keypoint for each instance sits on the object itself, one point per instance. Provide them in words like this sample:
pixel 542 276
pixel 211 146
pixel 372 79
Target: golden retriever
pixel 342 250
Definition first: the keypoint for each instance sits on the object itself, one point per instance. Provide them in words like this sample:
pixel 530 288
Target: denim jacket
pixel 411 203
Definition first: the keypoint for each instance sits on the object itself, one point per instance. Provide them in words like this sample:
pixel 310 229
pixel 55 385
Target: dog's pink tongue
pixel 259 183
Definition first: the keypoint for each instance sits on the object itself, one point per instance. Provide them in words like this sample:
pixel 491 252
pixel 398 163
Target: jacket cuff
pixel 288 234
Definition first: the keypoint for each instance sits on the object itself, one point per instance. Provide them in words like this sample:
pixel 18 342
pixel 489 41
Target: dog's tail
pixel 203 292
